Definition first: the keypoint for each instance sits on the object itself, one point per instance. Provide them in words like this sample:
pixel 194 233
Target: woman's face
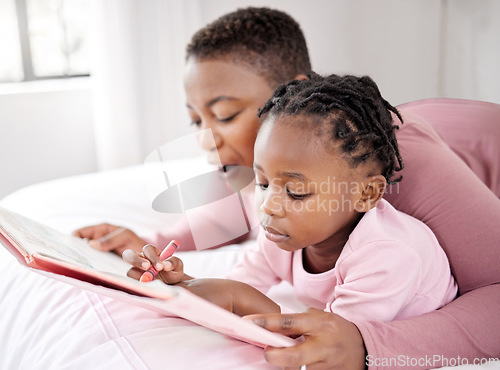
pixel 224 97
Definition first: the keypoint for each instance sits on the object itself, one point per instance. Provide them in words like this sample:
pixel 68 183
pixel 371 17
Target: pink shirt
pixel 392 267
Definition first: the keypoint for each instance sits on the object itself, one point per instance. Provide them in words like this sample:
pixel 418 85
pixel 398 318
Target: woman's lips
pixel 274 235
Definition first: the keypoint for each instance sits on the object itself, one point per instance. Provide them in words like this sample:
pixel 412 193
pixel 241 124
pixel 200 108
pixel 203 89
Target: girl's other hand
pixel 331 342
pixel 170 271
pixel 111 238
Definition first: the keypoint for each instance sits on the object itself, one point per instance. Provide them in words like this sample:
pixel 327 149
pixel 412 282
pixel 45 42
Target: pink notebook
pixel 71 260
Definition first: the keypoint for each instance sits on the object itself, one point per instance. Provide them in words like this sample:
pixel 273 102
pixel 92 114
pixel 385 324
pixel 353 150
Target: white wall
pixel 413 49
pixel 46 131
pixel 395 42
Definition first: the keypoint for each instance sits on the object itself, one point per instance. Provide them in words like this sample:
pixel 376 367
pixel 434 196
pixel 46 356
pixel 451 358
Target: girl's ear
pixel 372 191
pixel 300 77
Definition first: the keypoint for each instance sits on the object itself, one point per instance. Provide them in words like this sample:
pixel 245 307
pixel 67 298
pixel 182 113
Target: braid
pixel 356 113
pixel 267 40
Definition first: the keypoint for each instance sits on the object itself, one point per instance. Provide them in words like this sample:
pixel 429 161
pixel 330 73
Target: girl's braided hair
pixel 351 109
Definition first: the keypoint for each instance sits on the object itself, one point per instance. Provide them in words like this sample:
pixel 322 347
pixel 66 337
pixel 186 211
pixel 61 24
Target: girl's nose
pixel 271 204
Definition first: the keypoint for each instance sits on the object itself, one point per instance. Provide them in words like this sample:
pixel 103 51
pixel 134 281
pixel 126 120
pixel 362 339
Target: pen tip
pixel 146 278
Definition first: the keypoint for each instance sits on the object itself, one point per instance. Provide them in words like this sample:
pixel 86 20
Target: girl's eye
pixel 262 186
pixel 228 119
pixel 195 123
pixel 298 196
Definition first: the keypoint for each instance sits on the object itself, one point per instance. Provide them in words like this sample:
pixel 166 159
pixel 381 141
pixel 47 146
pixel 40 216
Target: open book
pixel 70 259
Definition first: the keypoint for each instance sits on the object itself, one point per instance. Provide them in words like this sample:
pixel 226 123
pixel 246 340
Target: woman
pixel 232 67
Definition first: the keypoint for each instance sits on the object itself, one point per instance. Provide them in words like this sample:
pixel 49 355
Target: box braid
pixel 267 40
pixel 354 111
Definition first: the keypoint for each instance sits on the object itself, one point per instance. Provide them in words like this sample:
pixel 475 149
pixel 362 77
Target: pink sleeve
pixel 441 190
pixel 465 330
pixel 182 232
pixel 227 221
pixel 376 281
pixel 260 265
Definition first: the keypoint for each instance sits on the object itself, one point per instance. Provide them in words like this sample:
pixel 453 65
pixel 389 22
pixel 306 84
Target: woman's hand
pixel 170 271
pixel 111 238
pixel 331 342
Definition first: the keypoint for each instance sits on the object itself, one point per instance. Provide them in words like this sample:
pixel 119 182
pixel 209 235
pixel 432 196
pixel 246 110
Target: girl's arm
pixel 234 296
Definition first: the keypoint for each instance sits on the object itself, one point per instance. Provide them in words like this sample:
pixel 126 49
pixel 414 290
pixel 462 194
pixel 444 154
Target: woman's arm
pixel 463 332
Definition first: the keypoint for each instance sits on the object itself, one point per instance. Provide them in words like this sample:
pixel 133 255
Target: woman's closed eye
pixel 228 119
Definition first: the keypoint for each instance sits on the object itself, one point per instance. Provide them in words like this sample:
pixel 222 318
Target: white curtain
pixel 471 49
pixel 138 58
pixel 414 49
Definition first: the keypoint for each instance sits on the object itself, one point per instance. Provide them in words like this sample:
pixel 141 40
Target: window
pixel 43 39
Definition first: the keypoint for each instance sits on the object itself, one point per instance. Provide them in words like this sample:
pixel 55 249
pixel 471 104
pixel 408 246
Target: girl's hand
pixel 331 342
pixel 170 271
pixel 111 238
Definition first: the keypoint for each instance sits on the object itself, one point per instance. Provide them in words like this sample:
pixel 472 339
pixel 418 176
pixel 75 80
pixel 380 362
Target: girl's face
pixel 225 97
pixel 306 194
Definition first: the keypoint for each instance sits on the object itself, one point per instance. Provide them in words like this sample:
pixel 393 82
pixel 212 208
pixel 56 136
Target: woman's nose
pixel 209 139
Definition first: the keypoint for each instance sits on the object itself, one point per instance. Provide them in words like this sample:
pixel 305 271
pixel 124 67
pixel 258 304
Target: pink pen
pixel 169 250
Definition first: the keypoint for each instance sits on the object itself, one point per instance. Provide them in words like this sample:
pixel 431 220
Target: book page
pixel 34 237
pixel 108 269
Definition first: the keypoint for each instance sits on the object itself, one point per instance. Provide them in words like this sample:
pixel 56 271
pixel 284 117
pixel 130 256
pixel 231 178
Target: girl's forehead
pixel 297 133
pixel 285 146
pixel 309 128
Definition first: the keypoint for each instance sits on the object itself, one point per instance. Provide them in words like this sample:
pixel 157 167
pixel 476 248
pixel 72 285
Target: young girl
pixel 323 156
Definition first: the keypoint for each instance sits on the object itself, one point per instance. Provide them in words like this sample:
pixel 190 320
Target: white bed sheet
pixel 48 324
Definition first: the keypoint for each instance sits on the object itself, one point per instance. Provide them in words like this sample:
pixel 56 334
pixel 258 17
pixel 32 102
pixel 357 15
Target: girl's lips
pixel 274 235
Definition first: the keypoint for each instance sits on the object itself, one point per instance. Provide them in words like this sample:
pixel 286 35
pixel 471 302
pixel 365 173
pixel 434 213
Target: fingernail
pixel 167 265
pixel 95 244
pixel 145 265
pixel 259 321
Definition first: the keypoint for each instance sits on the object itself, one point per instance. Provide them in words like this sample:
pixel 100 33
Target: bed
pixel 47 324
pixel 58 326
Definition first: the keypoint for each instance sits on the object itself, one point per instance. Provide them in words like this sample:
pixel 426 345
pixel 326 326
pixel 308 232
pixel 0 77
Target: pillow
pixel 470 128
pixel 442 191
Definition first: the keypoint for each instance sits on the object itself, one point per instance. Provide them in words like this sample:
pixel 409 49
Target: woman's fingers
pixel 94 231
pixel 110 238
pixel 330 341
